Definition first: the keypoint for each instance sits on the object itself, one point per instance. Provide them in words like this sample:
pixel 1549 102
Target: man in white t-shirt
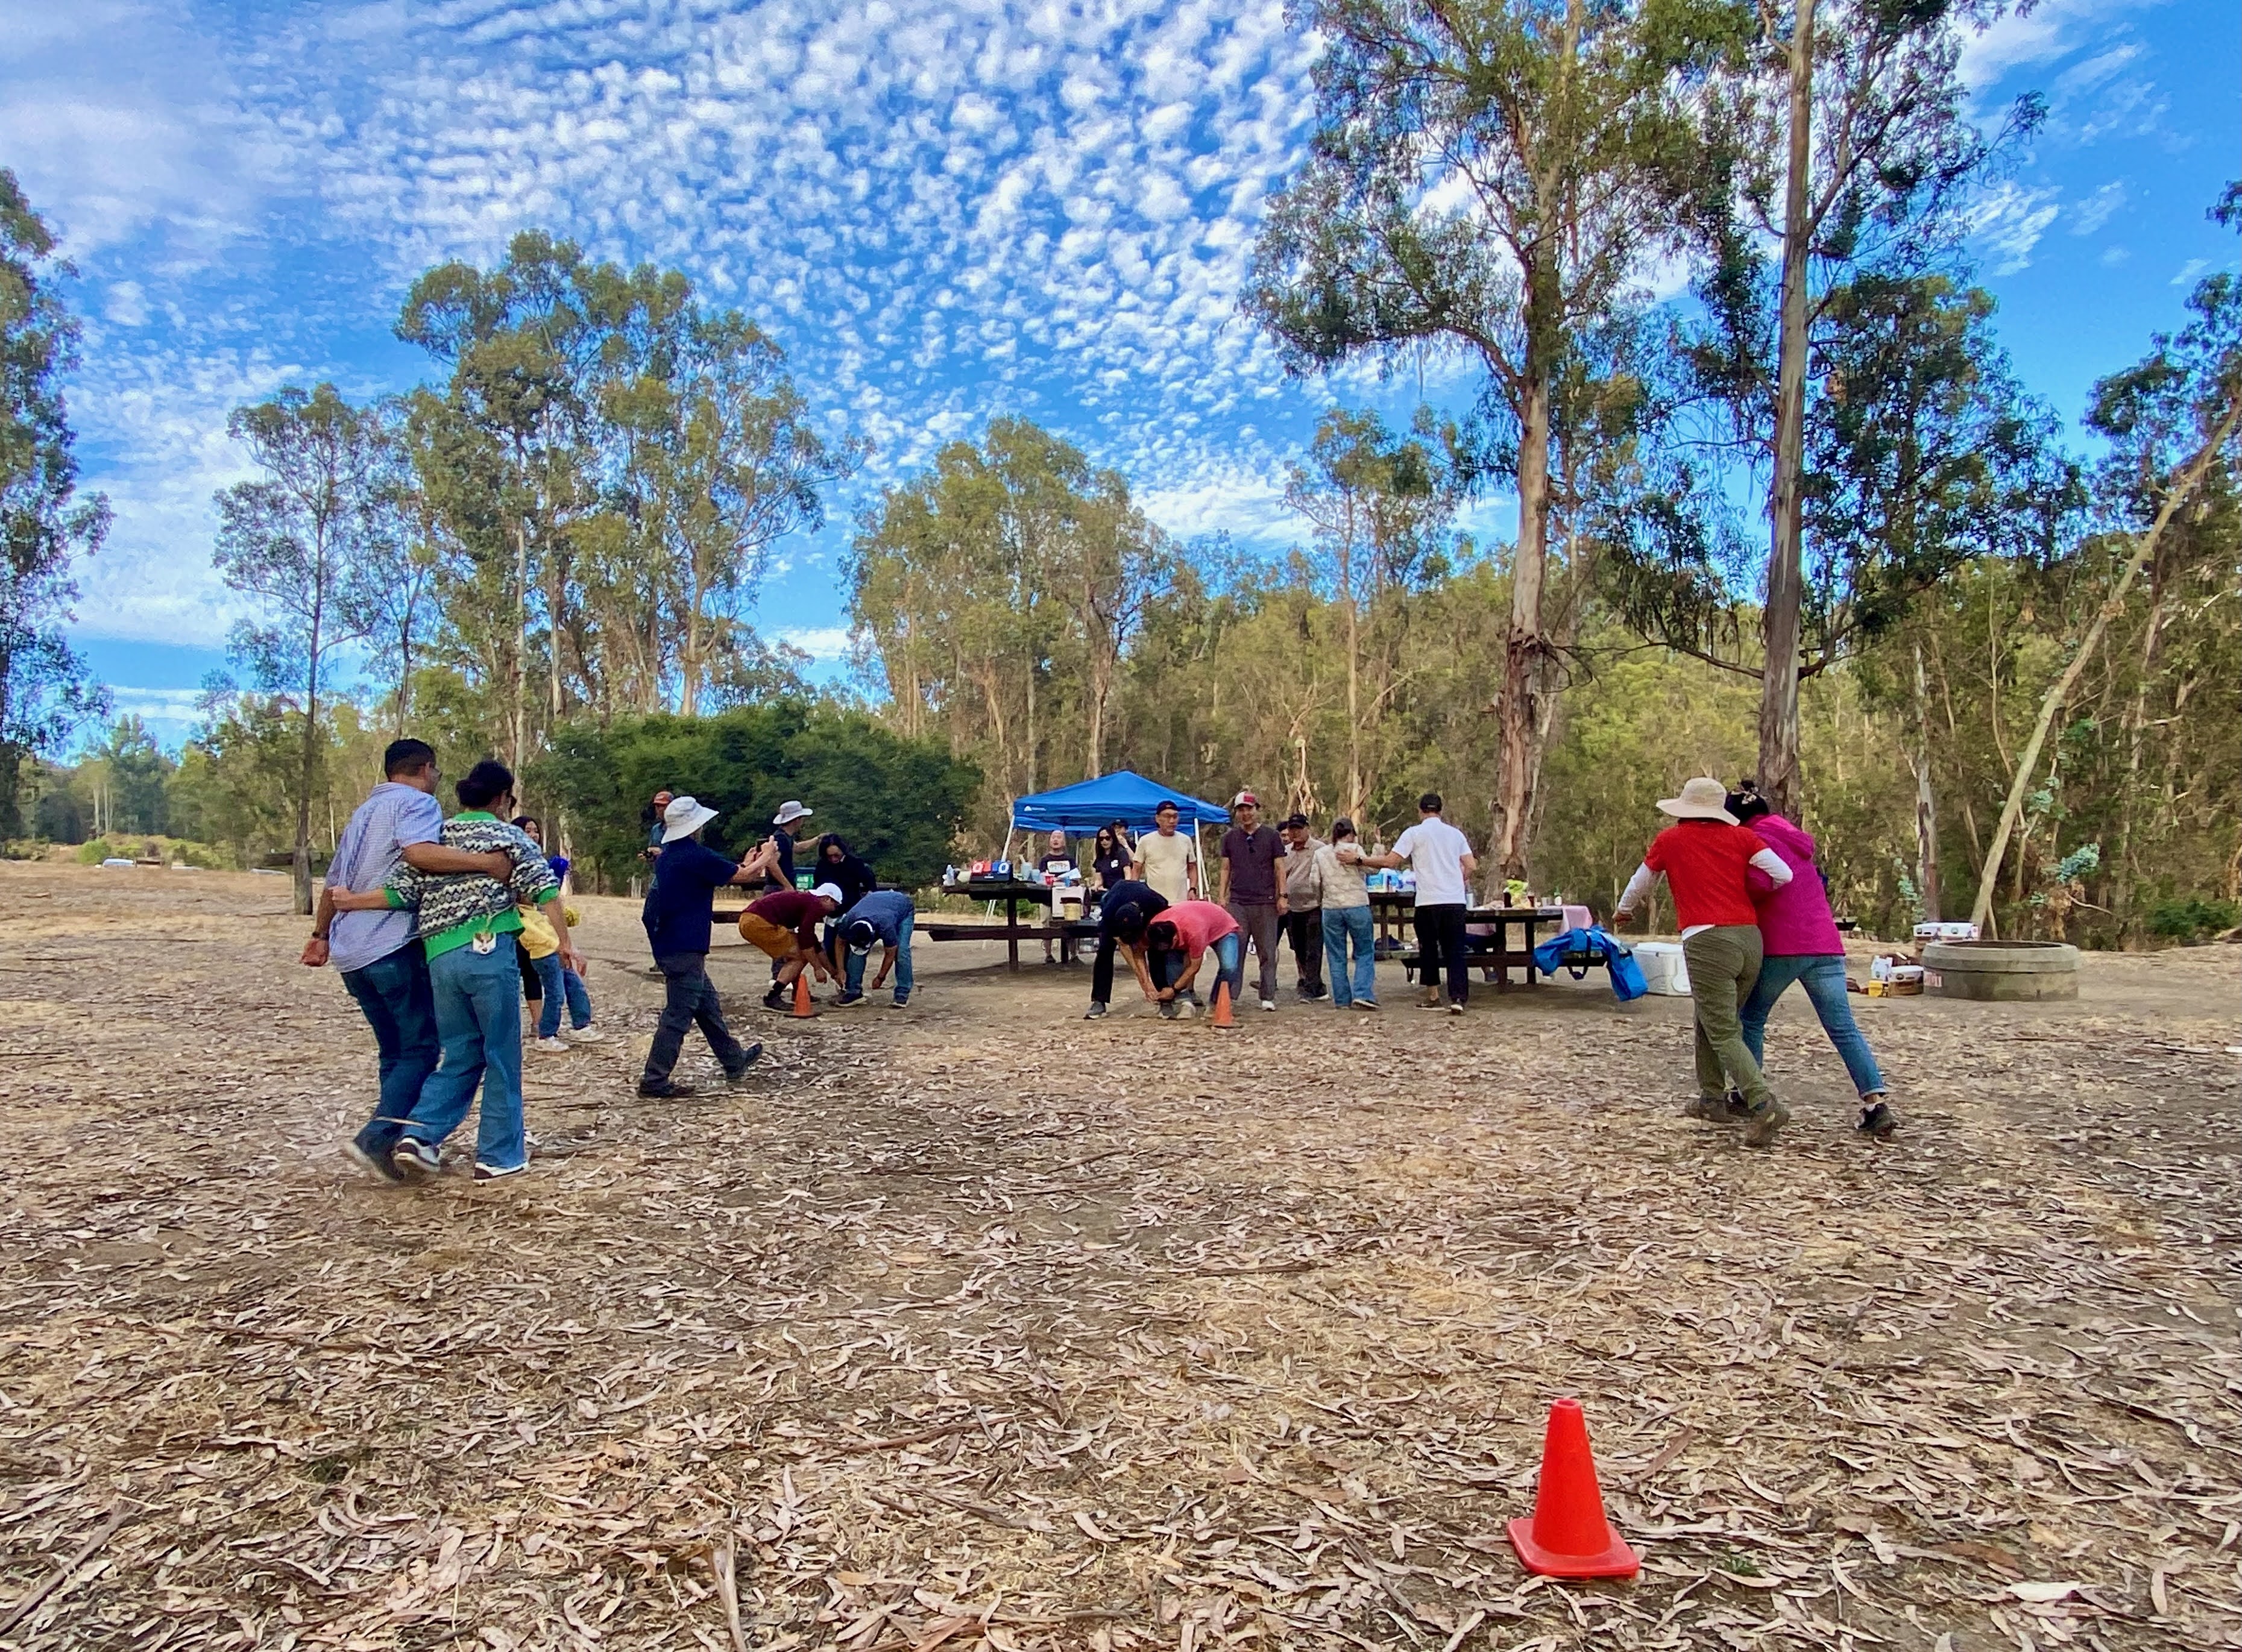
pixel 1441 857
pixel 1167 859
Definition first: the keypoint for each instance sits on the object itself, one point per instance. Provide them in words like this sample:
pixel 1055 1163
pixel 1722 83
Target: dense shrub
pixel 2191 917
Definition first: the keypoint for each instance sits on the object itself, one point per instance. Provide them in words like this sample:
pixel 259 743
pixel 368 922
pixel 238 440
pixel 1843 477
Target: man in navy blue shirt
pixel 678 914
pixel 885 917
pixel 1122 913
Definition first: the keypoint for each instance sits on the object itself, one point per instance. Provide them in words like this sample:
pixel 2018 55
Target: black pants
pixel 1440 938
pixel 1305 931
pixel 692 999
pixel 1101 970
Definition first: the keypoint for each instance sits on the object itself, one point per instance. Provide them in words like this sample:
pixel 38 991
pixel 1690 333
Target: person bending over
pixel 784 925
pixel 1127 907
pixel 1181 937
pixel 883 917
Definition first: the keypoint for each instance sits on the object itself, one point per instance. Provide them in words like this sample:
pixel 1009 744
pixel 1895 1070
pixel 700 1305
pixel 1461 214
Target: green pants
pixel 1723 968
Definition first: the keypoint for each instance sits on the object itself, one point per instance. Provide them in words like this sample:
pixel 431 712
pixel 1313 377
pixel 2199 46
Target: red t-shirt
pixel 1199 924
pixel 795 909
pixel 1704 863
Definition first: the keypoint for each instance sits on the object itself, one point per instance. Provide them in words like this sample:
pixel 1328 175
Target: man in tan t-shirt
pixel 1167 859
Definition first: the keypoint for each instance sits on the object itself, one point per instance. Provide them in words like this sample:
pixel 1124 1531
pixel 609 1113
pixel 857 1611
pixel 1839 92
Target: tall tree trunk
pixel 302 859
pixel 688 698
pixel 521 639
pixel 2183 487
pixel 1926 802
pixel 1355 801
pixel 1523 647
pixel 1778 700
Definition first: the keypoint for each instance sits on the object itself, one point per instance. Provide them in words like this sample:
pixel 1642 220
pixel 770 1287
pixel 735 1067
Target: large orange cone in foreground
pixel 1568 1535
pixel 802 1004
pixel 1222 1015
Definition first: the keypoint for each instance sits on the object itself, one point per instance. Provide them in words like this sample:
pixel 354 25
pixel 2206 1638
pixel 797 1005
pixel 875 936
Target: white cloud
pixel 2190 271
pixel 819 642
pixel 2011 220
pixel 2096 209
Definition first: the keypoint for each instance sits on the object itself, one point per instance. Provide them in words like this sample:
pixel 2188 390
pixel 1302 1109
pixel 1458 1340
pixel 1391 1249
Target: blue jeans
pixel 1345 926
pixel 479 1018
pixel 1824 977
pixel 1229 964
pixel 854 979
pixel 393 994
pixel 560 982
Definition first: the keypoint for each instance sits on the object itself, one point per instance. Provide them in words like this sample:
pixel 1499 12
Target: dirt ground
pixel 978 1324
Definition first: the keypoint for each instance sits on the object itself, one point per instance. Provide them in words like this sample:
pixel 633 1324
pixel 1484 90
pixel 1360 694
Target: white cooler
pixel 1663 969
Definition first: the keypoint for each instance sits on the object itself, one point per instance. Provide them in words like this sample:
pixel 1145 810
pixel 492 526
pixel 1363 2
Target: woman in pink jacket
pixel 1800 942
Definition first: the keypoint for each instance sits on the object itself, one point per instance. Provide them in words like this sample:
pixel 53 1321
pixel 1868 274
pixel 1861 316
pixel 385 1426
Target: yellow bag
pixel 538 939
pixel 575 918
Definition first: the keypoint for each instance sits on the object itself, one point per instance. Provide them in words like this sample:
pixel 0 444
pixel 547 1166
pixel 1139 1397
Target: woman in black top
pixel 1110 855
pixel 851 875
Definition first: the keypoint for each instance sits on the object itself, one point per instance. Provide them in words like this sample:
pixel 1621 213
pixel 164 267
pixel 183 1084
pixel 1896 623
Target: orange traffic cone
pixel 1222 1015
pixel 802 1003
pixel 1568 1535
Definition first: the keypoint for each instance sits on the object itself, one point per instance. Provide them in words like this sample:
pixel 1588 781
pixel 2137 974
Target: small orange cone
pixel 803 1005
pixel 1222 1015
pixel 1568 1535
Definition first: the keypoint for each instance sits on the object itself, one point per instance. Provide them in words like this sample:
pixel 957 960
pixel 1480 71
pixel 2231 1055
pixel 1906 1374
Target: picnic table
pixel 1011 932
pixel 1493 953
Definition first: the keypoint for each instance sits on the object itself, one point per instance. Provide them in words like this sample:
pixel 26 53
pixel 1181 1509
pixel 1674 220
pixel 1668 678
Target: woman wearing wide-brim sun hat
pixel 1704 856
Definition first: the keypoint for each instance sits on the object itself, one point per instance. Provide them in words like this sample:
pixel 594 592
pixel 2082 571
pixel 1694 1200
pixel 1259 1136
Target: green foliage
pixel 45 690
pixel 2191 917
pixel 898 801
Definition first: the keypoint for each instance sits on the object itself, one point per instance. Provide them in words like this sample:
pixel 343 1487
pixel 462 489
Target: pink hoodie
pixel 1794 920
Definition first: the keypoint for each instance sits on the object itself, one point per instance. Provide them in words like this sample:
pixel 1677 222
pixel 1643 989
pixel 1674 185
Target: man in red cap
pixel 1252 888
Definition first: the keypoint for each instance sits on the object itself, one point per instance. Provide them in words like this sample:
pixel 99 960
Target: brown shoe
pixel 1712 1109
pixel 1429 998
pixel 1766 1122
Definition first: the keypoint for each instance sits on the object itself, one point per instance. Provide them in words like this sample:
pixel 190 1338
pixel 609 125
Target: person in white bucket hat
pixel 679 912
pixel 1704 856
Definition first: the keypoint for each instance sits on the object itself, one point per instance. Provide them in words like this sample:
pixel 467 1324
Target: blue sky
pixel 943 210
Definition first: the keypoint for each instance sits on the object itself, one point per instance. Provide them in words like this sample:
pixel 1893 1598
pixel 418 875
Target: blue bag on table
pixel 1594 942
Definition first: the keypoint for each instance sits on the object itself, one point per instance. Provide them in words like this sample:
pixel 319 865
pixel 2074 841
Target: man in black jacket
pixel 1127 907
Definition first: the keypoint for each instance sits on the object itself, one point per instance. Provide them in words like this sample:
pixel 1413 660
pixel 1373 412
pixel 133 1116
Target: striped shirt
pixel 456 908
pixel 393 816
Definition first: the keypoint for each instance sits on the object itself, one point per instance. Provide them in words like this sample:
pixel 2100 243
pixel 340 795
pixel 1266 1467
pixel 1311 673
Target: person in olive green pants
pixel 1704 856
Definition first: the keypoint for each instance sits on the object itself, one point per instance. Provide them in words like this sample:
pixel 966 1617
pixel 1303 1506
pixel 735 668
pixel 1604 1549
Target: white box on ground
pixel 1664 971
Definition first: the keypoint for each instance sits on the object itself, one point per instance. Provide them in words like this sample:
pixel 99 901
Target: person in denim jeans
pixel 374 950
pixel 1180 939
pixel 883 917
pixel 1346 920
pixel 1802 945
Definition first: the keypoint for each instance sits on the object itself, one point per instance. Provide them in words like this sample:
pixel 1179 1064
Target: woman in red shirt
pixel 1181 936
pixel 1704 857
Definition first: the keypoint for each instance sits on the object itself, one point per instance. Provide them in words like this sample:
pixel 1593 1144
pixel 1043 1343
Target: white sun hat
pixel 1702 799
pixel 791 810
pixel 684 817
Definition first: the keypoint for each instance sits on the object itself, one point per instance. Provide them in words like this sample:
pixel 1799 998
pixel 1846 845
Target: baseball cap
pixel 1244 798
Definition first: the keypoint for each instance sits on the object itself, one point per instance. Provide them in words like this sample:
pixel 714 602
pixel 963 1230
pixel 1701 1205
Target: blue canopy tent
pixel 1122 795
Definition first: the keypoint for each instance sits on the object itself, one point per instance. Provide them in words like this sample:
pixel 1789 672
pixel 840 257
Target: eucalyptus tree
pixel 1493 177
pixel 1841 158
pixel 303 545
pixel 45 690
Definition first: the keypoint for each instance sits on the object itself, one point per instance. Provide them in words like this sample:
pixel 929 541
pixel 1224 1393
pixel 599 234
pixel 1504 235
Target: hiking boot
pixel 415 1159
pixel 1878 1122
pixel 738 1075
pixel 1712 1109
pixel 1766 1122
pixel 1094 1012
pixel 1739 1109
pixel 665 1090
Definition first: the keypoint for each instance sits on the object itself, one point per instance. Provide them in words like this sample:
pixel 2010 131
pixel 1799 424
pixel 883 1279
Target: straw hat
pixel 1701 799
pixel 684 817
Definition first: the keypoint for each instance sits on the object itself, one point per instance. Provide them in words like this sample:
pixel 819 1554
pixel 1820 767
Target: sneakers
pixel 738 1075
pixel 1428 998
pixel 586 1034
pixel 901 1003
pixel 669 1089
pixel 848 1001
pixel 1455 1007
pixel 776 999
pixel 1170 1010
pixel 1366 1004
pixel 1269 1004
pixel 414 1159
pixel 1878 1122
pixel 373 1167
pixel 1096 1012
pixel 498 1172
pixel 1766 1122
pixel 550 1045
